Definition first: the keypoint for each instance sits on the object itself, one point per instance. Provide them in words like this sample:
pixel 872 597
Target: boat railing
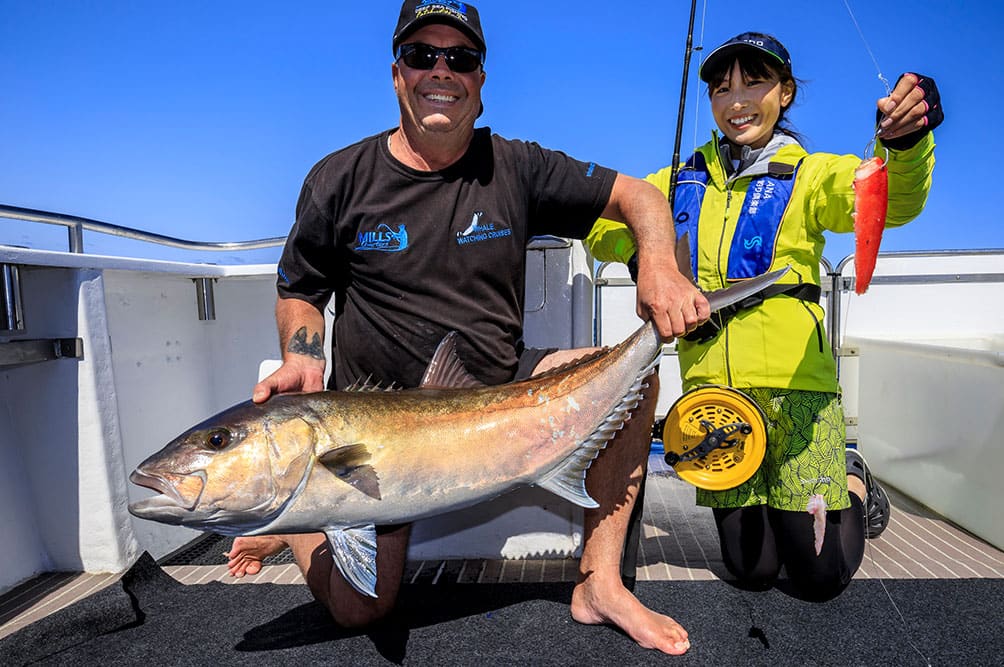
pixel 845 284
pixel 75 226
pixel 834 282
pixel 10 302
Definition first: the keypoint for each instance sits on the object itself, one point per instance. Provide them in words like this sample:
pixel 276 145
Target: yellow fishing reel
pixel 715 437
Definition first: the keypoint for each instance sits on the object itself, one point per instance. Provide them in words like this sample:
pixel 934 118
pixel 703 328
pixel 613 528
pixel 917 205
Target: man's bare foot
pixel 595 602
pixel 247 553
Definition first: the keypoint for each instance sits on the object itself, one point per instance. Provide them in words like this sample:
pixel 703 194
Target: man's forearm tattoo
pixel 298 344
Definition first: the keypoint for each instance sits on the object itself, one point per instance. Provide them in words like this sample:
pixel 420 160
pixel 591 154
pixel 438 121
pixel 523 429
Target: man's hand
pixel 670 300
pixel 290 377
pixel 301 334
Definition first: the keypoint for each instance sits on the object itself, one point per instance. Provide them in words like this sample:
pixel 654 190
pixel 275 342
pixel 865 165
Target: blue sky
pixel 199 120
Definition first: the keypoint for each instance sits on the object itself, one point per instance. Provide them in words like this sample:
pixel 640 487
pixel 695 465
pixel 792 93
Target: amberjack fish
pixel 344 462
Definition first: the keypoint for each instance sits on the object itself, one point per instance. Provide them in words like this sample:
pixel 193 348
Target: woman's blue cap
pixel 747 40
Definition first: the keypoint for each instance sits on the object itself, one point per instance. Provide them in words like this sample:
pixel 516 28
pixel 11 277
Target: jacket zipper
pixel 721 242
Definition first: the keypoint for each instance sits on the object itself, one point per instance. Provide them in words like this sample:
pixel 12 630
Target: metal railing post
pixel 11 313
pixel 205 298
pixel 75 232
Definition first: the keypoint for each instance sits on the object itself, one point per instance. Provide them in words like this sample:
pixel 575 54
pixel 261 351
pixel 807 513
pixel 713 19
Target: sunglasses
pixel 423 56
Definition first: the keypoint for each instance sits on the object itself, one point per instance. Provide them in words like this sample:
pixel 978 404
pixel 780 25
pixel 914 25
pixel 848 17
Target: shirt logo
pixel 763 191
pixel 474 225
pixel 383 239
pixel 478 231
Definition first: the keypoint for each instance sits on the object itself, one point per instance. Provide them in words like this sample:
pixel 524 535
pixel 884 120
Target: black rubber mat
pixel 149 618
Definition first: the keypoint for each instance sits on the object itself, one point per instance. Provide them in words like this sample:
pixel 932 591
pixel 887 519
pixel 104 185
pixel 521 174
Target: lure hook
pixel 870 148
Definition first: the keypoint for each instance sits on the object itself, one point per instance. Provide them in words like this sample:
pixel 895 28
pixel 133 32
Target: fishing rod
pixel 675 164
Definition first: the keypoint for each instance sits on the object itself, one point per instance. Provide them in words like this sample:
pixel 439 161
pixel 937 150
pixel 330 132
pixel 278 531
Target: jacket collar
pixel 752 161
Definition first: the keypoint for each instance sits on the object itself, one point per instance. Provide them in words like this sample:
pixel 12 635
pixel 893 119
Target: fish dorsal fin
pixel 351 464
pixel 354 552
pixel 446 370
pixel 568 479
pixel 369 385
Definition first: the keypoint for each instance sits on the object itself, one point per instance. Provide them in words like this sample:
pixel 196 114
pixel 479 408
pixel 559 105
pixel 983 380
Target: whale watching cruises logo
pixel 478 231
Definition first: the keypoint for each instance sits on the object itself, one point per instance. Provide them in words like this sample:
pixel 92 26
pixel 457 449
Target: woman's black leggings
pixel 757 541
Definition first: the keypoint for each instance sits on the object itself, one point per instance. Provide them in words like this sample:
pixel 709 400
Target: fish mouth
pixel 169 487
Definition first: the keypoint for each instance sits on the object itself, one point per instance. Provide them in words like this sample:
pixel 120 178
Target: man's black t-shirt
pixel 413 255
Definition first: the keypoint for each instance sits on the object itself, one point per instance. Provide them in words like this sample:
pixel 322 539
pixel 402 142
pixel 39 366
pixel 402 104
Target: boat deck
pixel 678 543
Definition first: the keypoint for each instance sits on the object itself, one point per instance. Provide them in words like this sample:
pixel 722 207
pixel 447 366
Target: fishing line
pixel 871 556
pixel 697 84
pixel 885 82
pixel 868 548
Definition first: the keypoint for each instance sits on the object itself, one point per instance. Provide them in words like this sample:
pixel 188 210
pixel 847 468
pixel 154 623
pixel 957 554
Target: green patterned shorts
pixel 805 454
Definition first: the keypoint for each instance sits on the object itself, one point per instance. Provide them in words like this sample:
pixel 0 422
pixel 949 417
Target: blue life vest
pixel 752 250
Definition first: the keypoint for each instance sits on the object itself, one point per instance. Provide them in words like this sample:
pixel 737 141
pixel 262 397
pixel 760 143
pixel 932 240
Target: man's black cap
pixel 459 15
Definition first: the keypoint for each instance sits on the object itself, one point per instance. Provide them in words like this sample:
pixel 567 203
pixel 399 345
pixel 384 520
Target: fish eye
pixel 218 438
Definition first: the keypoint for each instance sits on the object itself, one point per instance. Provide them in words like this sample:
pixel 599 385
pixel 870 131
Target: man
pixel 421 230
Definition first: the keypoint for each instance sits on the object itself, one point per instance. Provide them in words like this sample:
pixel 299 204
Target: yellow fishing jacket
pixel 781 343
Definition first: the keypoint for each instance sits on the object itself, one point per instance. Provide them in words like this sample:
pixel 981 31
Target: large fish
pixel 344 462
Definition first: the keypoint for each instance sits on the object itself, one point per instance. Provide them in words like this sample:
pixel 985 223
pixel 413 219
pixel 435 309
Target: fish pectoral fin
pixel 351 465
pixel 354 552
pixel 345 456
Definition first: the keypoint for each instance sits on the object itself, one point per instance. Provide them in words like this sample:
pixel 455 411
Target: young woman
pixel 750 201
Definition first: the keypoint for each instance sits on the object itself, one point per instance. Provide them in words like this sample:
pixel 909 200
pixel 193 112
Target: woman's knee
pixel 759 577
pixel 748 548
pixel 817 585
pixel 824 575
